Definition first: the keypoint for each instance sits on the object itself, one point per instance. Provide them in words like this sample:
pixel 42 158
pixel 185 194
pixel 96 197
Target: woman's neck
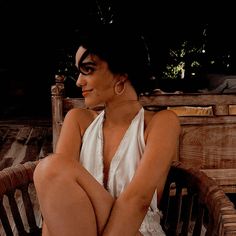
pixel 122 111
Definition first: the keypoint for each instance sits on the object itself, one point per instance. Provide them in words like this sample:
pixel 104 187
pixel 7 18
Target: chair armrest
pixel 19 210
pixel 192 203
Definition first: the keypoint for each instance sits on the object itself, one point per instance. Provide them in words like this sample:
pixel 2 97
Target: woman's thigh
pixel 71 200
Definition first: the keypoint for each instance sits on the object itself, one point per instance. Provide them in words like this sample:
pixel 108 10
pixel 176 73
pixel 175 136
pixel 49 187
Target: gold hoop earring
pixel 117 89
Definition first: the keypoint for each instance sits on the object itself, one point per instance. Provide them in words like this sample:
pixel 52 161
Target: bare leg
pixel 45 230
pixel 71 200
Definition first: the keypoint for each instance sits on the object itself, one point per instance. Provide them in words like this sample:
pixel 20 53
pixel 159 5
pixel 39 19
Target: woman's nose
pixel 80 81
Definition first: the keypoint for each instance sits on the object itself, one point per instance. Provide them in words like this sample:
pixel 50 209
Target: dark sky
pixel 33 34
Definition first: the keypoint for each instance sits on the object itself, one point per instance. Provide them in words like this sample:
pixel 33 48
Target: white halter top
pixel 123 164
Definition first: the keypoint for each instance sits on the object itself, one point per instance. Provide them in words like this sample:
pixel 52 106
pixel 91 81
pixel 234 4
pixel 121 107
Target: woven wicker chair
pixel 19 209
pixel 191 203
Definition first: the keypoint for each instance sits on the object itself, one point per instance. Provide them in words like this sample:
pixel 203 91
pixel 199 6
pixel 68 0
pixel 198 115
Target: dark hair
pixel 123 49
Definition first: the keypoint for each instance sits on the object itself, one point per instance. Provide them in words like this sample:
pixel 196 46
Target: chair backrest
pixel 208 137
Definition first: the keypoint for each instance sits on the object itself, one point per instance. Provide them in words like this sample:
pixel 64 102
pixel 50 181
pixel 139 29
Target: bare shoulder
pixel 167 115
pixel 80 116
pixel 162 120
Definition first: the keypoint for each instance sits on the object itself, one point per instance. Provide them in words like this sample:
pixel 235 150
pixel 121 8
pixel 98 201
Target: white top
pixel 123 164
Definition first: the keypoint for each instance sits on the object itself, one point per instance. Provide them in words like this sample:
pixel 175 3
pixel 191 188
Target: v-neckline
pixel 116 157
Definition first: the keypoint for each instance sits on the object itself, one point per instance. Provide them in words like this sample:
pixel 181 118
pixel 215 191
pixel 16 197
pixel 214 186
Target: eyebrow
pixel 88 63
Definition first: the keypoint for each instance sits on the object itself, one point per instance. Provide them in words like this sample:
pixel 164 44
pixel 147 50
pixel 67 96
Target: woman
pixel 109 169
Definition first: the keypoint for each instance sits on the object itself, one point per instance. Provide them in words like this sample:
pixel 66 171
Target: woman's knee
pixel 44 169
pixel 48 171
pixel 53 178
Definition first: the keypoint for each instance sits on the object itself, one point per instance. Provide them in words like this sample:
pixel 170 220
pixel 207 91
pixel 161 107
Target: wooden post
pixel 57 93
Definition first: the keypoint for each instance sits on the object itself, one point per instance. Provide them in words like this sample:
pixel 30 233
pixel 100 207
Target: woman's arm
pixel 74 125
pixel 131 207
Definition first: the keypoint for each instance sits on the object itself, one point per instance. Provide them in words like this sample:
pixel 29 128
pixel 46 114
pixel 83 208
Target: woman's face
pixel 95 79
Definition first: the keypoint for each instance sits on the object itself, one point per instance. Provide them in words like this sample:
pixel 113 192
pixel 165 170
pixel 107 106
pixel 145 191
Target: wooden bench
pixel 208 137
pixel 206 149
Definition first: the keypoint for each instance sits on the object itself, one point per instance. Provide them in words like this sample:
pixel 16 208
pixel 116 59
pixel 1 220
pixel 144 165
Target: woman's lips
pixel 86 92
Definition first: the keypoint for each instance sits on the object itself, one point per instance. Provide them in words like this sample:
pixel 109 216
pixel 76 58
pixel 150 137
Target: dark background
pixel 35 37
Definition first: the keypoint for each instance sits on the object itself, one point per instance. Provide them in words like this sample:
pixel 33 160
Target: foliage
pixel 182 58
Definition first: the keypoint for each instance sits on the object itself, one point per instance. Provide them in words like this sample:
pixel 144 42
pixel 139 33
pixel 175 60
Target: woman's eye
pixel 86 69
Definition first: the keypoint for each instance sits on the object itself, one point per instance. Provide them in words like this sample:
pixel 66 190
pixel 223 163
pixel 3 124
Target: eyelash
pixel 86 69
